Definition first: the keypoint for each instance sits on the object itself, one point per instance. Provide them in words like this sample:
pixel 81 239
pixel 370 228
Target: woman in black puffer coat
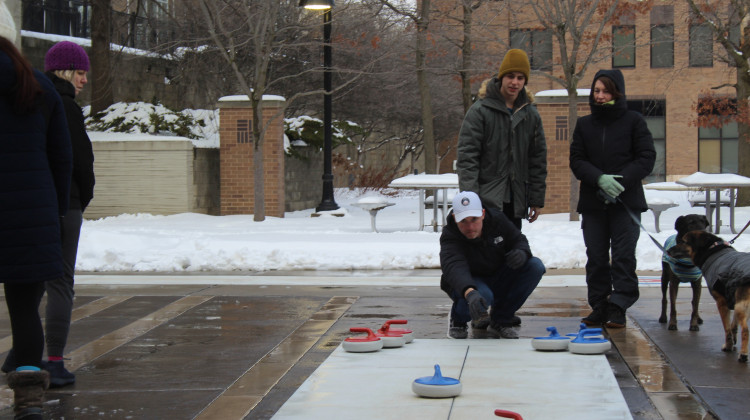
pixel 612 151
pixel 35 168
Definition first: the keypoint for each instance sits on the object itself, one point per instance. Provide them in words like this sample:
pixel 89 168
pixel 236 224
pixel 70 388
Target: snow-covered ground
pixel 196 242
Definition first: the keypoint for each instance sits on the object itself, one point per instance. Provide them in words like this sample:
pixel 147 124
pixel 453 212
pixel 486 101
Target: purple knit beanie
pixel 66 55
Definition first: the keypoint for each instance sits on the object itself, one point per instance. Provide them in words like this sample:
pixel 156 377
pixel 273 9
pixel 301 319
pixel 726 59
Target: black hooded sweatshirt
pixel 611 140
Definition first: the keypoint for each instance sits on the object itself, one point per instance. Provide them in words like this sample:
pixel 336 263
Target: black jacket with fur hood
pixel 461 258
pixel 611 140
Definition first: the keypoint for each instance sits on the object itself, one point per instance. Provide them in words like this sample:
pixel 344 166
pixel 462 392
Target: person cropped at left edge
pixel 488 268
pixel 35 169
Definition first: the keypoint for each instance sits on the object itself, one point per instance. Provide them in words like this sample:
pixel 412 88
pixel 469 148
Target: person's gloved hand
pixel 477 305
pixel 516 258
pixel 609 184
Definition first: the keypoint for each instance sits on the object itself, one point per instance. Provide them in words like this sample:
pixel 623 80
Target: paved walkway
pixel 238 346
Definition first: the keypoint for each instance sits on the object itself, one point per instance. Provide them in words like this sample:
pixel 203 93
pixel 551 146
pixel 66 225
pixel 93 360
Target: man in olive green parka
pixel 502 151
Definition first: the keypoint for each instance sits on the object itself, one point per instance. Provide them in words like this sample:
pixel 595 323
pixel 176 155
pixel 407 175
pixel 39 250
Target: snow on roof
pixel 231 98
pixel 561 92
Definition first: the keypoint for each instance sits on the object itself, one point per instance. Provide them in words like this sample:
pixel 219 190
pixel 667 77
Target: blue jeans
pixel 506 291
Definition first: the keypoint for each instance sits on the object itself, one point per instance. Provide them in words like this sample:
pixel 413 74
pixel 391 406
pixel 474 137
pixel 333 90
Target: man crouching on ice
pixel 487 265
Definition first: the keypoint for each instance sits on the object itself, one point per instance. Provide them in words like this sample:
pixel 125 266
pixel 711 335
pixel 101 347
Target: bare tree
pixel 101 84
pixel 730 24
pixel 248 27
pixel 420 16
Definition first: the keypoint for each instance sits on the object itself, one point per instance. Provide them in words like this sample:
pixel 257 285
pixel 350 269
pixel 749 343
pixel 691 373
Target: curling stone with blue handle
pixel 407 334
pixel 436 386
pixel 581 327
pixel 553 342
pixel 362 344
pixel 589 341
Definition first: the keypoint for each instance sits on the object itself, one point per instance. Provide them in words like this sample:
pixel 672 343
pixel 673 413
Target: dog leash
pixel 738 235
pixel 638 222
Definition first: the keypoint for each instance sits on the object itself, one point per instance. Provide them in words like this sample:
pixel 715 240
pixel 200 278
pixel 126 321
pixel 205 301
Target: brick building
pixel 669 61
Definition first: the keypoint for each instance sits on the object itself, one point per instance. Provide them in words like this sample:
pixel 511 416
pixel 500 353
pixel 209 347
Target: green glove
pixel 609 184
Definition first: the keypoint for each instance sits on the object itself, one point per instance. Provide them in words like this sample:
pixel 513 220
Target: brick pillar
pixel 236 156
pixel 554 113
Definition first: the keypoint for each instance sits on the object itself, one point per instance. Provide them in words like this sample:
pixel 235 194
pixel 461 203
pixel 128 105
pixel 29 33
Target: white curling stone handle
pixel 436 391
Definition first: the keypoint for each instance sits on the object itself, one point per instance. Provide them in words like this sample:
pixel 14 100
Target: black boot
pixel 615 316
pixel 28 393
pixel 597 317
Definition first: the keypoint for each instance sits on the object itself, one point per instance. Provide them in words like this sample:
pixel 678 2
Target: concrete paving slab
pixel 192 357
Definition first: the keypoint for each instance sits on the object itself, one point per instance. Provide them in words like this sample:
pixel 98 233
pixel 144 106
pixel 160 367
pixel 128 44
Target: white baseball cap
pixel 466 204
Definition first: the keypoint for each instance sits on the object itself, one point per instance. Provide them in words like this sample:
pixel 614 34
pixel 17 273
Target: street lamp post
pixel 328 202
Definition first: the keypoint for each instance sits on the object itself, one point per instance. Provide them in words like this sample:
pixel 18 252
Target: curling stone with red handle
pixel 589 341
pixel 388 326
pixel 508 414
pixel 553 342
pixel 390 339
pixel 362 344
pixel 436 386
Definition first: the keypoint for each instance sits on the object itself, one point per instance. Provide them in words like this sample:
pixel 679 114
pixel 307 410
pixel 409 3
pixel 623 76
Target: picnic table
pixel 717 182
pixel 423 182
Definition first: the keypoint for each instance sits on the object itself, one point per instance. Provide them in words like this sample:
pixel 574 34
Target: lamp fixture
pixel 316 4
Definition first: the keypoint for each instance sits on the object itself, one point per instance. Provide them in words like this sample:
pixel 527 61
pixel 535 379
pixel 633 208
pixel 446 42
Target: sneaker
pixel 502 331
pixel 597 317
pixel 481 324
pixel 58 375
pixel 615 316
pixel 458 330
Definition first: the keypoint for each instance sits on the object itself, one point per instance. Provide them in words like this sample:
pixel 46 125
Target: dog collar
pixel 717 243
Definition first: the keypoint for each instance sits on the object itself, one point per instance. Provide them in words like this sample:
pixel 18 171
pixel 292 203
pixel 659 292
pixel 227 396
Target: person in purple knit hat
pixel 67 65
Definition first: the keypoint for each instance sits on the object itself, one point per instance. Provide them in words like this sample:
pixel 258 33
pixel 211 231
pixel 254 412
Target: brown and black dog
pixel 727 273
pixel 676 271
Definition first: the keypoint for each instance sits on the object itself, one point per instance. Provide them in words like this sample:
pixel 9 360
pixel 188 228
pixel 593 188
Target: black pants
pixel 615 229
pixel 60 291
pixel 26 325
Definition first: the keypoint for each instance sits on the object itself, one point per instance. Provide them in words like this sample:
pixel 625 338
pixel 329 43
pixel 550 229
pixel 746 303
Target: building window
pixel 623 46
pixel 537 44
pixel 701 46
pixel 717 149
pixel 662 46
pixel 662 36
pixel 653 112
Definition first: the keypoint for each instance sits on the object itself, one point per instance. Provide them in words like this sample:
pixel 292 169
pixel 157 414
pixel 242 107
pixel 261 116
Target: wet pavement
pixel 238 346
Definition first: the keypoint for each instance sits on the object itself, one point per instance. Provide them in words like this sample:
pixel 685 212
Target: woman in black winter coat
pixel 66 64
pixel 35 168
pixel 612 152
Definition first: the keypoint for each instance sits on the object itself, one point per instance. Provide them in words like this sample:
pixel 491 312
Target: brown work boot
pixel 28 393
